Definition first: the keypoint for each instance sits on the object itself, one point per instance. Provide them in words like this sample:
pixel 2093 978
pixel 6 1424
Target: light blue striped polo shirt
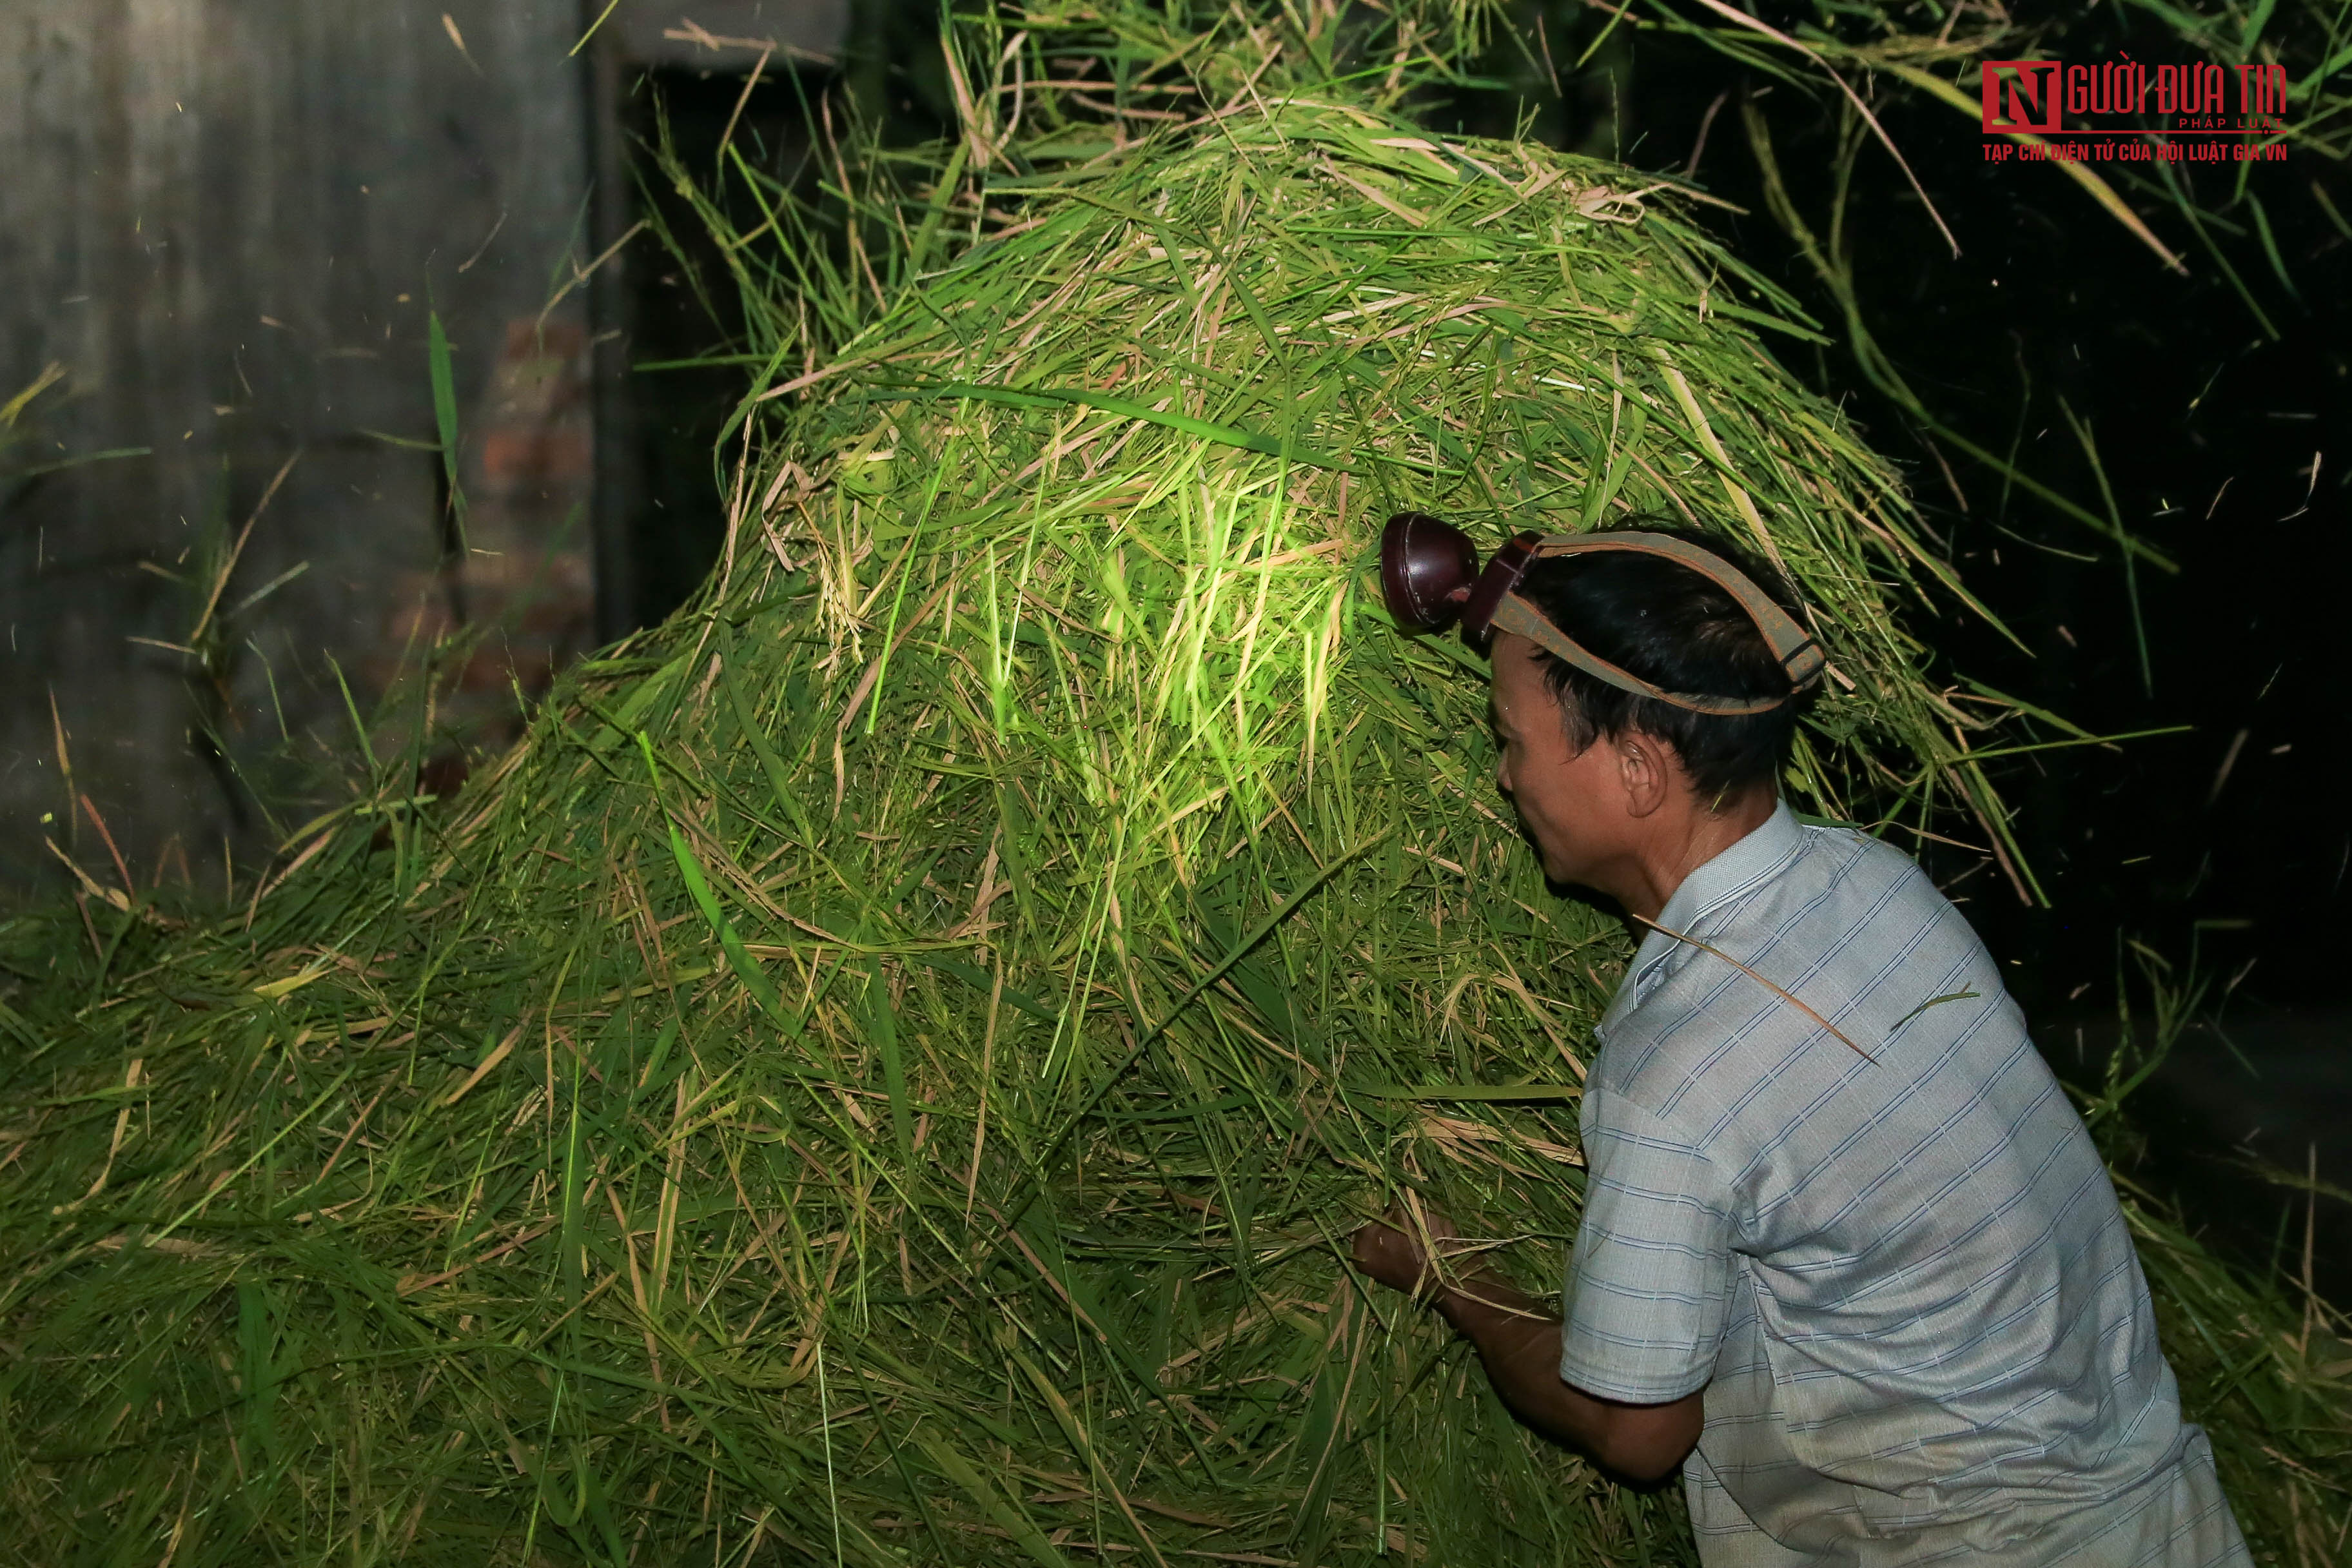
pixel 1904 1282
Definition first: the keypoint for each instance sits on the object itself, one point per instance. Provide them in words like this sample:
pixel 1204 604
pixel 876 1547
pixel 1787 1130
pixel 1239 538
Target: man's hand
pixel 1389 1250
pixel 1519 1344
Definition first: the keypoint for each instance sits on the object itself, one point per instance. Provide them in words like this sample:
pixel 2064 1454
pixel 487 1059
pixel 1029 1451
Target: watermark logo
pixel 2022 95
pixel 2122 111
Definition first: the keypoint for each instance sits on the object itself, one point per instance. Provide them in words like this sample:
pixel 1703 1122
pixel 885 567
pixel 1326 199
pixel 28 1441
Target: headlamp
pixel 1430 578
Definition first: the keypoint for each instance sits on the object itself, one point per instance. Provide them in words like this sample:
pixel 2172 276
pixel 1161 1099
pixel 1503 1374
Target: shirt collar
pixel 1763 853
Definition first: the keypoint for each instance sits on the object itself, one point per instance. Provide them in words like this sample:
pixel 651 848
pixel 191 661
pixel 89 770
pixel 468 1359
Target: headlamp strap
pixel 1800 656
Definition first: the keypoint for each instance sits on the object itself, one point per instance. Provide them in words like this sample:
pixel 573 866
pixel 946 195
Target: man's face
pixel 1572 804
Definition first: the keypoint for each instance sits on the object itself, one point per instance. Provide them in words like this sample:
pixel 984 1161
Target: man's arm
pixel 1520 1346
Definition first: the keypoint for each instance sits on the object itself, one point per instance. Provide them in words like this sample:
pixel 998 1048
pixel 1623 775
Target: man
pixel 1848 1256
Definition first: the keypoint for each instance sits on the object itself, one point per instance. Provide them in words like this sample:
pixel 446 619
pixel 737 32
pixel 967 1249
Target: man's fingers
pixel 1418 1219
pixel 1390 1255
pixel 1378 1244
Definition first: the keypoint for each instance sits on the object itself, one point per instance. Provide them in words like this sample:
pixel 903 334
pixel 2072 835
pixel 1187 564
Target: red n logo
pixel 2021 95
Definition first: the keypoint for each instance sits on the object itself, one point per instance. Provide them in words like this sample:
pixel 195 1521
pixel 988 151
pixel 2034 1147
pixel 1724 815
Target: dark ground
pixel 2240 1109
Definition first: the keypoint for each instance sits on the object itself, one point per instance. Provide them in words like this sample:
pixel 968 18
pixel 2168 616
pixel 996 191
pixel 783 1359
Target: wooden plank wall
pixel 224 220
pixel 222 225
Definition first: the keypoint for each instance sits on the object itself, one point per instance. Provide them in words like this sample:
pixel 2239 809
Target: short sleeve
pixel 1649 1284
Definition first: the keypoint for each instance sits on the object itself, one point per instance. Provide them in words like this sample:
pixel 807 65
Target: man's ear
pixel 1645 769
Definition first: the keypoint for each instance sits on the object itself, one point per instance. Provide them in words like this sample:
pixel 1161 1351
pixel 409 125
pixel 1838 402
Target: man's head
pixel 1600 773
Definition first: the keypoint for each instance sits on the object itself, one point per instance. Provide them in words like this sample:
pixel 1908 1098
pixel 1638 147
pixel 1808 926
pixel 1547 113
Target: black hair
pixel 1658 619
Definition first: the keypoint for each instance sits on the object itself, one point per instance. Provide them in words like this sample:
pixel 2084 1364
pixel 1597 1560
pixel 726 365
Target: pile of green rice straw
pixel 885 1073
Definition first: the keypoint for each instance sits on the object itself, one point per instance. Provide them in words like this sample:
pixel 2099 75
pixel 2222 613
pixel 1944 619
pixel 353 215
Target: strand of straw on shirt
pixel 1783 995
